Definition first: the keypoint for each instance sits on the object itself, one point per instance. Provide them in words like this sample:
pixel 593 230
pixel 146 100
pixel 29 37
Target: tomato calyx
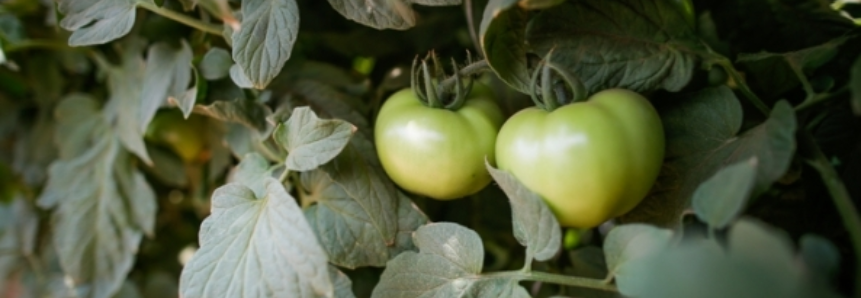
pixel 552 86
pixel 436 89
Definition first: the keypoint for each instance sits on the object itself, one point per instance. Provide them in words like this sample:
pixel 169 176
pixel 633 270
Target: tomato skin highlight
pixel 434 152
pixel 590 161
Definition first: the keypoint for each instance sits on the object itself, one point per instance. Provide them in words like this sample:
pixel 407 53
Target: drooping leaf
pixel 188 99
pixel 503 31
pixel 655 47
pixel 310 141
pixel 343 287
pixel 535 226
pixel 256 247
pixel 384 14
pixel 216 64
pixel 448 265
pixel 95 177
pixel 97 21
pixel 721 198
pixel 702 137
pixel 772 74
pixel 265 40
pixel 125 83
pixel 243 111
pixel 168 73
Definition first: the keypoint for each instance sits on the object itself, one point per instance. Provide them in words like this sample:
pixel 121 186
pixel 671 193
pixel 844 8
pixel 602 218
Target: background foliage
pixel 135 134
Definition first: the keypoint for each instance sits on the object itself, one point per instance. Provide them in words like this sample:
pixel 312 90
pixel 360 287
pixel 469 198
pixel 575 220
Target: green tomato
pixel 185 137
pixel 590 161
pixel 434 152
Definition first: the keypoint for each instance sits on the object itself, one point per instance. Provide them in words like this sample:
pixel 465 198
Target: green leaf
pixel 311 141
pixel 773 74
pixel 539 4
pixel 329 102
pixel 19 225
pixel 378 14
pixel 247 112
pixel 503 31
pixel 535 226
pixel 11 28
pixel 97 21
pixel 95 177
pixel 653 48
pixel 216 64
pixel 855 85
pixel 35 149
pixel 188 99
pixel 168 73
pixel 721 199
pixel 628 244
pixel 448 265
pixel 702 137
pixel 254 246
pixel 125 87
pixel 265 40
pixel 239 78
pixel 252 173
pixel 758 262
pixel 348 230
pixel 820 255
pixel 341 282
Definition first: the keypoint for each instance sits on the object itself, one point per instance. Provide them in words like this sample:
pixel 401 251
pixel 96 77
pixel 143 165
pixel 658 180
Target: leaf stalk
pixel 181 18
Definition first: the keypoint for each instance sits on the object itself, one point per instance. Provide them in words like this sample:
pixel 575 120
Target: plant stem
pixel 818 160
pixel 470 21
pixel 742 85
pixel 182 18
pixel 573 281
pixel 284 175
pixel 814 100
pixel 841 197
pixel 474 68
pixel 37 44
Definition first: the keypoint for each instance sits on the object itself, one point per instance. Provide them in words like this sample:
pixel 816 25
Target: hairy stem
pixel 182 18
pixel 573 281
pixel 472 69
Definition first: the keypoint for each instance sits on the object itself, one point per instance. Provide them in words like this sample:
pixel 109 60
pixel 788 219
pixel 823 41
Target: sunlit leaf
pixel 168 73
pixel 310 141
pixel 216 64
pixel 265 40
pixel 256 247
pixel 721 198
pixel 97 21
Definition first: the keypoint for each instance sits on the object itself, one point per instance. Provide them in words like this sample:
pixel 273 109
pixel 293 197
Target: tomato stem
pixel 573 281
pixel 182 18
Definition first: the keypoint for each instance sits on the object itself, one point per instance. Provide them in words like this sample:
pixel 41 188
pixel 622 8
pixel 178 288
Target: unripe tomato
pixel 435 152
pixel 590 161
pixel 184 136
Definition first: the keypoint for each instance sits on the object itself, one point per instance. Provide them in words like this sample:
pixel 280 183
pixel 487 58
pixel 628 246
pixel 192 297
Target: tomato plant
pixel 305 148
pixel 591 161
pixel 434 152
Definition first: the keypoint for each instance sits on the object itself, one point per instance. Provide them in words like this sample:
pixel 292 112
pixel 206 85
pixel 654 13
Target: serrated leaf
pixel 95 177
pixel 341 282
pixel 243 111
pixel 721 199
pixel 168 73
pixel 626 244
pixel 265 40
pixel 534 224
pixel 653 48
pixel 97 21
pixel 125 87
pixel 448 265
pixel 346 230
pixel 216 64
pixel 855 85
pixel 503 31
pixel 310 141
pixel 378 14
pixel 701 133
pixel 256 247
pixel 773 74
